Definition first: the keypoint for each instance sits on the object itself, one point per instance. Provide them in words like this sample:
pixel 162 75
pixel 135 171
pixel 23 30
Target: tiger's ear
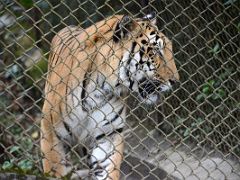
pixel 152 17
pixel 123 28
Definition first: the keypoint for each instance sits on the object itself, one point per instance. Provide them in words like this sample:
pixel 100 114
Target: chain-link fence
pixel 192 133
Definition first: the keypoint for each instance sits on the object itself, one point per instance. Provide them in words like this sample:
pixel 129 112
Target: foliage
pixel 24 145
pixel 37 71
pixel 229 2
pixel 215 50
pixel 26 3
pixel 213 88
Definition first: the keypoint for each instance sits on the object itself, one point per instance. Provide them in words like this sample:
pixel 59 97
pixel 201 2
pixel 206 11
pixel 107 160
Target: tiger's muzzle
pixel 148 87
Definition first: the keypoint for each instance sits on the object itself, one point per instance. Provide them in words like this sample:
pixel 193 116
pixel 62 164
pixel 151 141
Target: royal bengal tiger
pixel 90 72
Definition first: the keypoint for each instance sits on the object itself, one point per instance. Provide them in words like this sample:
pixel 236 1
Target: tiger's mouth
pixel 150 89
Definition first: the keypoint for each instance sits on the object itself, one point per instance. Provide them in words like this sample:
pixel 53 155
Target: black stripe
pixel 66 95
pixel 100 136
pixel 153 32
pixel 148 64
pixel 164 42
pixel 67 127
pixel 134 44
pixel 84 84
pixel 160 54
pixel 84 151
pixel 99 171
pixel 58 54
pixel 119 130
pixel 83 93
pixel 144 41
pixel 103 135
pixel 110 30
pixel 98 80
pixel 66 44
pixel 131 84
pixel 60 111
pixel 66 144
pixel 58 136
pixel 119 65
pixel 128 62
pixel 101 80
pixel 115 117
pixel 149 49
pixel 100 162
pixel 117 33
pixel 61 39
pixel 67 92
pixel 51 117
pixel 141 52
pixel 107 97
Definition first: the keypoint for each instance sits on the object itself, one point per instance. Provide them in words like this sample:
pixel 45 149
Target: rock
pixel 31 57
pixel 6 20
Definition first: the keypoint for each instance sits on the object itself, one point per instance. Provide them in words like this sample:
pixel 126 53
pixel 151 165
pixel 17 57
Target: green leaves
pixel 18 162
pixel 26 3
pixel 206 90
pixel 228 2
pixel 215 50
pixel 8 164
pixel 213 88
pixel 201 97
pixel 25 165
pixel 37 71
pixel 14 149
pixel 218 94
pixel 186 132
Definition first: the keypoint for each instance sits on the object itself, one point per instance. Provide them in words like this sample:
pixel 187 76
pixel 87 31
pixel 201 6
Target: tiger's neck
pixel 100 109
pixel 97 91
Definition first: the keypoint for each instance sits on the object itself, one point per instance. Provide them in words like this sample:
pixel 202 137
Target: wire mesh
pixel 193 133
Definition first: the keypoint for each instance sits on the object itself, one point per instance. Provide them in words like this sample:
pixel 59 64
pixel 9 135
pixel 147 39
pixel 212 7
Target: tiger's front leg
pixel 54 153
pixel 106 157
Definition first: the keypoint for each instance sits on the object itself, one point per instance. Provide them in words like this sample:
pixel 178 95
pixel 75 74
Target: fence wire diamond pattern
pixel 192 133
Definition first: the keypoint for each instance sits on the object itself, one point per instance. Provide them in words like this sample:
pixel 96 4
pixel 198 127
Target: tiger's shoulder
pixel 88 37
pixel 72 51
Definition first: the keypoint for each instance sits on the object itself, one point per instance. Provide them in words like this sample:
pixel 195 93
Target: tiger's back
pixel 89 72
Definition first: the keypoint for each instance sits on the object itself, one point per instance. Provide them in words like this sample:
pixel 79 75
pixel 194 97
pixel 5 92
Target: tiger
pixel 90 72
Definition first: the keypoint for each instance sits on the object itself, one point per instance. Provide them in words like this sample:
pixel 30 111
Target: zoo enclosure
pixel 202 114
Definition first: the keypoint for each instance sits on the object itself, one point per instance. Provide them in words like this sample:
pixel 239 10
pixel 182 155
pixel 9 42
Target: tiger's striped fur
pixel 90 71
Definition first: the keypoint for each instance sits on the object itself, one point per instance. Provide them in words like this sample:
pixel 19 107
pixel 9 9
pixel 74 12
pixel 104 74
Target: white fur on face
pixel 165 87
pixel 134 68
pixel 154 97
pixel 123 69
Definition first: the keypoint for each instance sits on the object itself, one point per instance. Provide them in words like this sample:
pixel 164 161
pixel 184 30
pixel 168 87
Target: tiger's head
pixel 146 65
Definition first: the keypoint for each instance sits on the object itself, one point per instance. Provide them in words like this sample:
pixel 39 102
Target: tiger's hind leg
pixel 106 157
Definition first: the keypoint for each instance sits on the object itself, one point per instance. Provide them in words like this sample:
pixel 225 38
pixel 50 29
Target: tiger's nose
pixel 174 82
